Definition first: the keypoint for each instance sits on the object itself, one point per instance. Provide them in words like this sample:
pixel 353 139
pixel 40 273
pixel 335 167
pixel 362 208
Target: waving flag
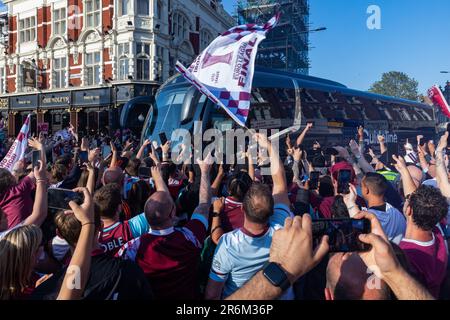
pixel 436 96
pixel 224 70
pixel 17 151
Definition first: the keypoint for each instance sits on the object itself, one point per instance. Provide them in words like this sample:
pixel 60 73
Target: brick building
pixel 79 61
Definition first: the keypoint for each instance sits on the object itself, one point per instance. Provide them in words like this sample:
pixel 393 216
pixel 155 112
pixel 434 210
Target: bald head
pixel 113 175
pixel 159 210
pixel 348 279
pixel 416 174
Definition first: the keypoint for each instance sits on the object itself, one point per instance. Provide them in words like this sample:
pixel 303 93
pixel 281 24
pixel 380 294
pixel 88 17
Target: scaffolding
pixel 286 47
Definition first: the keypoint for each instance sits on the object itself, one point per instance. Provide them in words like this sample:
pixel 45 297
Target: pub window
pixel 59 21
pixel 92 68
pixel 59 72
pixel 93 12
pixel 27 29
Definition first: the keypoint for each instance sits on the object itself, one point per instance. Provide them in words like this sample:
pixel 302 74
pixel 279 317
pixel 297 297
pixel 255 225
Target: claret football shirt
pixel 170 258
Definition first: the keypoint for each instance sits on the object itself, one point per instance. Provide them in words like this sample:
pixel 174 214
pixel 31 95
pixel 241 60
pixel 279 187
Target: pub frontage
pixel 90 111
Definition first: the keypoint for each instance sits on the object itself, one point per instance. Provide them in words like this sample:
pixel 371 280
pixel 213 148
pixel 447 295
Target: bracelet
pixel 87 223
pixel 42 180
pixel 350 208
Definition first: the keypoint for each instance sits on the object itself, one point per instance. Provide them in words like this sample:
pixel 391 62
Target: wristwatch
pixel 276 275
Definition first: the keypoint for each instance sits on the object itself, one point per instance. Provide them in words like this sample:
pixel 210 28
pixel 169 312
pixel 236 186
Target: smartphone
pixel 162 138
pixel 83 156
pixel 344 178
pixel 106 150
pixel 314 180
pixel 331 152
pixel 35 157
pixel 343 234
pixel 144 172
pixel 59 198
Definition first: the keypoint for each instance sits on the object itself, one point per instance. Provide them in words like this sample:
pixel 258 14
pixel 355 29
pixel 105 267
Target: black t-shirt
pixel 109 279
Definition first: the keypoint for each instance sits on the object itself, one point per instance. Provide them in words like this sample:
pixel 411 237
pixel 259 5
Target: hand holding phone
pixel 344 179
pixel 162 138
pixel 314 180
pixel 144 172
pixel 59 198
pixel 36 156
pixel 343 234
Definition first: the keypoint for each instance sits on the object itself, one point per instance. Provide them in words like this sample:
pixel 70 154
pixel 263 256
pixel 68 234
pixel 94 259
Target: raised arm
pixel 40 207
pixel 80 264
pixel 382 143
pixel 204 202
pixel 115 155
pixel 296 166
pixel 251 166
pixel 408 183
pixel 441 170
pixel 216 223
pixel 280 190
pixel 302 136
pixel 158 179
pixel 361 161
pixel 91 178
pixel 140 154
pixel 217 181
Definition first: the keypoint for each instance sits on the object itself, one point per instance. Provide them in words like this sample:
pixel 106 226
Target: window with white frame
pixel 92 68
pixel 124 7
pixel 59 21
pixel 27 29
pixel 124 62
pixel 143 61
pixel 143 7
pixel 93 12
pixel 59 72
pixel 205 39
pixel 180 25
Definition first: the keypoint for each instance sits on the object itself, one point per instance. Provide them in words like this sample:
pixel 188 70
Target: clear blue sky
pixel 414 39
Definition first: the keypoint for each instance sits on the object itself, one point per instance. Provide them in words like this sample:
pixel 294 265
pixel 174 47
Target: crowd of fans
pixel 207 230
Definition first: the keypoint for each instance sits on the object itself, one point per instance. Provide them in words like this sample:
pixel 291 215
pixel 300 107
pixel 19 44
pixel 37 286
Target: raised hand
pixel 292 247
pixel 380 258
pixel 84 212
pixel 354 147
pixel 442 143
pixel 298 154
pixel 35 143
pixel 400 164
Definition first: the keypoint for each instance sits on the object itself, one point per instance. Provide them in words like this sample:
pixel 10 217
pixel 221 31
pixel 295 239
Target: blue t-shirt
pixel 239 256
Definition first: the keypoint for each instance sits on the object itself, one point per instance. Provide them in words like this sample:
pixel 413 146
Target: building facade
pixel 79 61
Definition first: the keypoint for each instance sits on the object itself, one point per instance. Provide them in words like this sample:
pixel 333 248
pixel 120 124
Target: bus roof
pixel 315 83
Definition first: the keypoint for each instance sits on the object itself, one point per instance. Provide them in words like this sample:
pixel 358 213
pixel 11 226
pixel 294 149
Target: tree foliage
pixel 397 84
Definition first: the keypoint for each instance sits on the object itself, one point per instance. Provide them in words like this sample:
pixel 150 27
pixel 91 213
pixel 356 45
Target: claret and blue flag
pixel 224 70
